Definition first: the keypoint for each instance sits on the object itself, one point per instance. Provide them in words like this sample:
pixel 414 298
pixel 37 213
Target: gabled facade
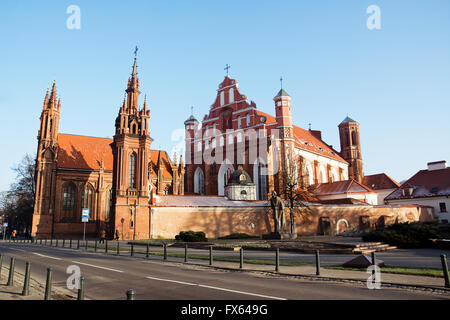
pixel 233 125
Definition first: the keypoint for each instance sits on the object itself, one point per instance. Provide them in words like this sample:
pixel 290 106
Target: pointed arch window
pixel 68 203
pixel 87 199
pixel 132 171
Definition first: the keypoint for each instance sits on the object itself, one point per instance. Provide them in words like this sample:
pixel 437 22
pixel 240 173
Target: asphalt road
pixel 108 277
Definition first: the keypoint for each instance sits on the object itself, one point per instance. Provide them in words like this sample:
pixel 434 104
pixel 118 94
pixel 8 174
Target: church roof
pixel 305 140
pixel 191 119
pixel 87 153
pixel 380 181
pixel 347 120
pixel 282 93
pixel 83 152
pixel 339 187
pixel 240 177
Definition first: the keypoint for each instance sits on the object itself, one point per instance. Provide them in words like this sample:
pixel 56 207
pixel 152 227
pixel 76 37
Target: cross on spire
pixel 136 51
pixel 227 68
pixel 192 110
pixel 281 82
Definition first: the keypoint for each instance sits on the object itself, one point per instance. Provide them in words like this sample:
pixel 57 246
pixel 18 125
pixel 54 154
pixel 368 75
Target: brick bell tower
pixel 131 150
pixel 286 146
pixel 46 161
pixel 351 148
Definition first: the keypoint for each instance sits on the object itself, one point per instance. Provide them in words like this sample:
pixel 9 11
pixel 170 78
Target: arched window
pixel 132 178
pixel 230 139
pixel 199 181
pixel 347 138
pixel 87 200
pixel 354 138
pixel 309 174
pixel 225 171
pixel 133 130
pixel 199 146
pixel 213 143
pixel 248 120
pixel 239 137
pixel 222 141
pixel 69 201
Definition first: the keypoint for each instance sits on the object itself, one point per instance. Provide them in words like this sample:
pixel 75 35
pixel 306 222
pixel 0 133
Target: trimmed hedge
pixel 410 235
pixel 191 236
pixel 238 236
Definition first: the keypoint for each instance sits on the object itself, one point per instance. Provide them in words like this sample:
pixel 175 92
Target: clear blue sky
pixel 395 81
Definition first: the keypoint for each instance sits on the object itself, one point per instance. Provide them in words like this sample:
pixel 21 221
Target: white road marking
pixel 91 265
pixel 218 288
pixel 17 249
pixel 44 256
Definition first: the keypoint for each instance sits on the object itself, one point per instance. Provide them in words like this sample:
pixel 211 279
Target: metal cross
pixel 227 67
pixel 192 110
pixel 135 51
pixel 281 81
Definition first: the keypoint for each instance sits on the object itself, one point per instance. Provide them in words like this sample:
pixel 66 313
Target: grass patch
pixel 428 272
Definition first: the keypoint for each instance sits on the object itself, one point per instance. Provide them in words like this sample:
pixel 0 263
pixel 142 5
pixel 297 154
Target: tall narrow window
pixel 132 182
pixel 222 98
pixel 231 95
pixel 68 201
pixel 248 120
pixel 108 204
pixel 86 201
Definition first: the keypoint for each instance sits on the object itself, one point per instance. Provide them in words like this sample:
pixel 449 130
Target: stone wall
pixel 166 222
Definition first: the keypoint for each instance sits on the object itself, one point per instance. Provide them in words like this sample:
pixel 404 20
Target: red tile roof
pixel 305 140
pixel 86 153
pixel 339 187
pixel 82 152
pixel 380 181
pixel 426 183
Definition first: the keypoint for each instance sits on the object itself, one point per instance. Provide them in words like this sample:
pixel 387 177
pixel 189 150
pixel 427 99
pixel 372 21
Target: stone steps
pixel 373 247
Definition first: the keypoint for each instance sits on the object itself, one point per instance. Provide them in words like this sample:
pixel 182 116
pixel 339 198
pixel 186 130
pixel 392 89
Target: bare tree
pixel 294 189
pixel 17 204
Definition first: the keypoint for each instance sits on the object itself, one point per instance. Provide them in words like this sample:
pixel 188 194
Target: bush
pixel 238 236
pixel 410 235
pixel 191 236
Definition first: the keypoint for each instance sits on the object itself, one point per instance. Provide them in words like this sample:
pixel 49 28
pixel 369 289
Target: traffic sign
pixel 5 224
pixel 85 215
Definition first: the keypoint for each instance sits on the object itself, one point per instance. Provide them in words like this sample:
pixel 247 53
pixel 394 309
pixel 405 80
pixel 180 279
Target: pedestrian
pixel 117 234
pixel 13 235
pixel 102 236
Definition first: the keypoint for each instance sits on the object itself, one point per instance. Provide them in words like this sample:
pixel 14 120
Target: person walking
pixel 117 234
pixel 13 235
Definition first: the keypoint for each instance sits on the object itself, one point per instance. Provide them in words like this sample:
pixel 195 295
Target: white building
pixel 429 187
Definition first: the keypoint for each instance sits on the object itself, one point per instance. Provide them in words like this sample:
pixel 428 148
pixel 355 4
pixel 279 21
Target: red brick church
pixel 241 134
pixel 113 178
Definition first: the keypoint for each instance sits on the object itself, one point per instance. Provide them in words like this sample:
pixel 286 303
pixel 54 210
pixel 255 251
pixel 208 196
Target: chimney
pixel 438 165
pixel 316 133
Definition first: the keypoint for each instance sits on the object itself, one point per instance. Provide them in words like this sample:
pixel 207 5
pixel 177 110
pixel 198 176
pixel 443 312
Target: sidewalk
pixel 36 289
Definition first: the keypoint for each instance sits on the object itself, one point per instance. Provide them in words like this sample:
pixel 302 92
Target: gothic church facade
pixel 116 179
